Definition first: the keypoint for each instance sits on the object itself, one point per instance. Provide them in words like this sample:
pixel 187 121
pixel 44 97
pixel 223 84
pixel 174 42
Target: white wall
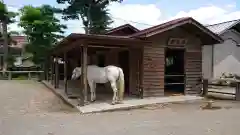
pixel 207 61
pixel 226 56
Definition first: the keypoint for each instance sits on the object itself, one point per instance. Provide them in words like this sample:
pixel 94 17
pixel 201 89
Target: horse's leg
pixel 91 85
pixel 114 88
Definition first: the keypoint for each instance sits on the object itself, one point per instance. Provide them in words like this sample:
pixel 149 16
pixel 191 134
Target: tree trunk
pixel 45 68
pixel 5 46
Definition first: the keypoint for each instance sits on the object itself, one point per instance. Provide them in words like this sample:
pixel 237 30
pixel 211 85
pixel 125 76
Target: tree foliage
pixel 5 15
pixel 93 13
pixel 43 30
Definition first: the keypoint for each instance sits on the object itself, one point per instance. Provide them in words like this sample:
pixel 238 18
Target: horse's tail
pixel 121 86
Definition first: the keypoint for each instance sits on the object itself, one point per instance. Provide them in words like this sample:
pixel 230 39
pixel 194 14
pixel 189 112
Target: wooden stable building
pixel 157 61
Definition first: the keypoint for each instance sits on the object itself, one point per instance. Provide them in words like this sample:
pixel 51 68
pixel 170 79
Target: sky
pixel 146 13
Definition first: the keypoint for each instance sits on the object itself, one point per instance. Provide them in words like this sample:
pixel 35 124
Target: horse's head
pixel 76 73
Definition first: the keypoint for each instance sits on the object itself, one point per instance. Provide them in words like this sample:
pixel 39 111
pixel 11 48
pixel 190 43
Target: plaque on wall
pixel 177 41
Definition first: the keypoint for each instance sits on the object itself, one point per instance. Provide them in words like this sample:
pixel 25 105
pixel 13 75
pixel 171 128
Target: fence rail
pixel 206 84
pixel 9 74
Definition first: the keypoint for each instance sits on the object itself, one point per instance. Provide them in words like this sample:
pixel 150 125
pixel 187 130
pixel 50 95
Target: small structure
pixel 224 57
pixel 16 49
pixel 158 61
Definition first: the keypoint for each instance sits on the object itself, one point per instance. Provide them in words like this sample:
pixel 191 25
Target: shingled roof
pixel 136 39
pixel 220 28
pixel 160 26
pixel 119 30
pixel 187 23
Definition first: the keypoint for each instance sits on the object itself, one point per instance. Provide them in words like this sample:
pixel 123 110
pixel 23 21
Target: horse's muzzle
pixel 73 77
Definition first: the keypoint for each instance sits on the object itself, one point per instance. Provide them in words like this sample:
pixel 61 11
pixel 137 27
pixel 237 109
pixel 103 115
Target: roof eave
pixel 96 39
pixel 216 41
pixel 204 29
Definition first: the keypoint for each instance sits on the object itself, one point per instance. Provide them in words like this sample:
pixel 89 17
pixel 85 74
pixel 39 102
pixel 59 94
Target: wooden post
pixel 10 75
pixel 205 87
pixel 56 74
pixel 29 75
pixel 1 62
pixel 52 70
pixel 47 70
pixel 47 74
pixel 84 76
pixel 81 79
pixel 41 76
pixel 65 73
pixel 237 95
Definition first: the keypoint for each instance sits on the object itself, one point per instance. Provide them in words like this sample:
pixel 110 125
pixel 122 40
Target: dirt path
pixel 28 108
pixel 29 97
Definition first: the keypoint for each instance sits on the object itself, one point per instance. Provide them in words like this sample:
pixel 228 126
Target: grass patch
pixel 21 77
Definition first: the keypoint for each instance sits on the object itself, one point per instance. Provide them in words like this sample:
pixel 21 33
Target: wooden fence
pixel 29 74
pixel 207 83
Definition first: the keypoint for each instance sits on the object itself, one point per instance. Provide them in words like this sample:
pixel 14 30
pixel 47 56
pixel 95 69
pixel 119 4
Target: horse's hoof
pixel 113 103
pixel 119 102
pixel 86 102
pixel 93 100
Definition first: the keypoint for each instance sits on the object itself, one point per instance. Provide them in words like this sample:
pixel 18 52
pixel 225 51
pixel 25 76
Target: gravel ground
pixel 29 108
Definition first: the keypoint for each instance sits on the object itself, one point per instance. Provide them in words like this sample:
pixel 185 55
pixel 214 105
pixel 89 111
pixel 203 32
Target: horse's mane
pixel 93 65
pixel 90 66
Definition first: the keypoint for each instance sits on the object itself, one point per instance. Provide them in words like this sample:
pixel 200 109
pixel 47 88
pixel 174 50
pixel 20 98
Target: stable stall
pixel 159 61
pixel 80 50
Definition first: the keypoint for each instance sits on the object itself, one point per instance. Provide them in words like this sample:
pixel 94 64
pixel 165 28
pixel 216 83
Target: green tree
pixel 5 15
pixel 42 29
pixel 6 18
pixel 93 13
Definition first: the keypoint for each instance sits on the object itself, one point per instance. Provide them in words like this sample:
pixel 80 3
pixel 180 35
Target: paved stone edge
pixel 66 100
pixel 144 105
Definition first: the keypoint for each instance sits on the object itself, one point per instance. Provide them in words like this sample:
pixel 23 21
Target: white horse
pixel 96 74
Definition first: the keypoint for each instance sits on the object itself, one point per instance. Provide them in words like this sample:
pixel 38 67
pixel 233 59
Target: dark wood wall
pixel 193 67
pixel 135 65
pixel 153 70
pixel 154 62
